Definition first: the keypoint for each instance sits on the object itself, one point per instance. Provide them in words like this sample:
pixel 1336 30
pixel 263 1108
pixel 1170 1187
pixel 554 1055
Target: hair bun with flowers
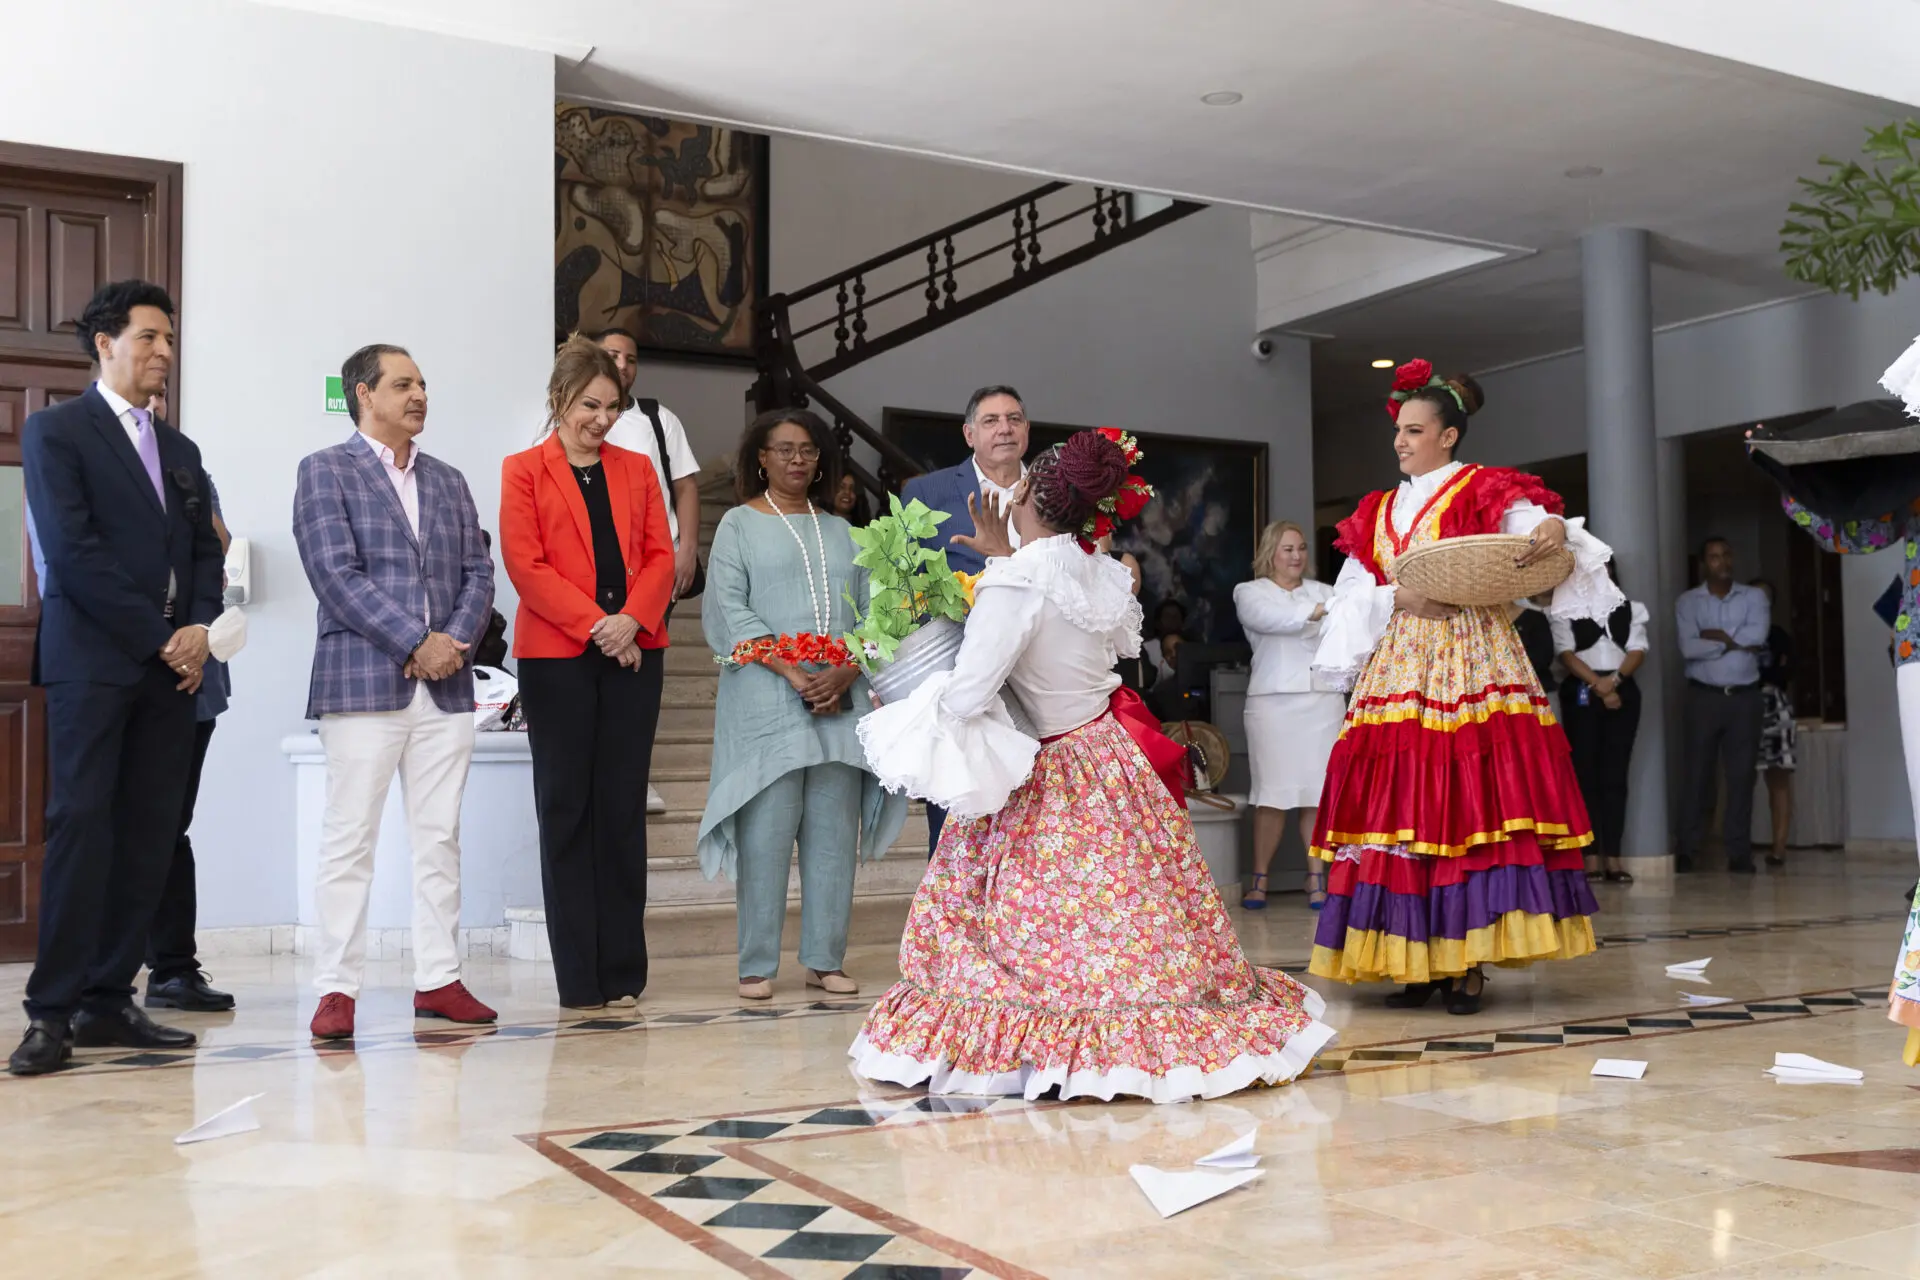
pixel 1087 484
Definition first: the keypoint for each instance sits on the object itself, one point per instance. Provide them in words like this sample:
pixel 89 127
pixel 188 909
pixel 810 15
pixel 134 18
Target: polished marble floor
pixel 690 1137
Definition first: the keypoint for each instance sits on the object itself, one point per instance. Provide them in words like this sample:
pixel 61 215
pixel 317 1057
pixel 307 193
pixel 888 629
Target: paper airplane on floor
pixel 1694 1001
pixel 1799 1068
pixel 1214 1174
pixel 1237 1154
pixel 1175 1192
pixel 1696 968
pixel 238 1118
pixel 1620 1068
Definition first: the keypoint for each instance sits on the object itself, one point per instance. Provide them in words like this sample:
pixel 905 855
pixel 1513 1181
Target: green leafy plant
pixel 909 584
pixel 1860 227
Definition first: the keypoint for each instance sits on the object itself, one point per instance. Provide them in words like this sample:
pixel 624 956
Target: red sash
pixel 1168 758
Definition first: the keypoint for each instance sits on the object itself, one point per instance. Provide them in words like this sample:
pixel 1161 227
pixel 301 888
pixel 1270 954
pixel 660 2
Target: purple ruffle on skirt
pixel 1451 911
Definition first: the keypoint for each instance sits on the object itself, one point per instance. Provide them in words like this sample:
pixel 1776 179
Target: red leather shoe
pixel 452 1002
pixel 333 1020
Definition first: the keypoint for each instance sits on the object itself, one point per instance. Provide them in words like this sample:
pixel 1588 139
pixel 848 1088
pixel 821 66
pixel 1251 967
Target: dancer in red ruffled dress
pixel 1451 814
pixel 1068 934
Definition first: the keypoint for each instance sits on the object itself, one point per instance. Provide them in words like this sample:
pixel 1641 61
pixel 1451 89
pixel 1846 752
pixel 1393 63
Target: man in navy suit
pixel 132 583
pixel 996 430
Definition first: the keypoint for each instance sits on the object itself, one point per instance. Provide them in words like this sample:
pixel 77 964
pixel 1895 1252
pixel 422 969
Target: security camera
pixel 1262 349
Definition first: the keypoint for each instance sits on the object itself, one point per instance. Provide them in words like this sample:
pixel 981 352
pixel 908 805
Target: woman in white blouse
pixel 1292 719
pixel 1067 933
pixel 1600 707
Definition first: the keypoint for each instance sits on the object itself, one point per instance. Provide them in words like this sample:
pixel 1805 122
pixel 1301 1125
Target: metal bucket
pixel 927 652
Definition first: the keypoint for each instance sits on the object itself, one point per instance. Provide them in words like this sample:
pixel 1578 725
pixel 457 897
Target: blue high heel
pixel 1259 886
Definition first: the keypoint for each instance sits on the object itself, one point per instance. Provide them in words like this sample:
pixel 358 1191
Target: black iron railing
pixel 816 333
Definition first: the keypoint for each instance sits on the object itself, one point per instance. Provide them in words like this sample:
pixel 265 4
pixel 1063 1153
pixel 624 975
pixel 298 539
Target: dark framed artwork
pixel 1194 541
pixel 660 227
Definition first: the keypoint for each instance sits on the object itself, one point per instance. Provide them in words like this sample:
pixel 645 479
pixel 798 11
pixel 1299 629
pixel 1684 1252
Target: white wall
pixel 344 184
pixel 1813 353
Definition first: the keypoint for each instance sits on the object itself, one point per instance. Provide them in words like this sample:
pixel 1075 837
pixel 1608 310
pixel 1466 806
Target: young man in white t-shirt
pixel 679 471
pixel 680 474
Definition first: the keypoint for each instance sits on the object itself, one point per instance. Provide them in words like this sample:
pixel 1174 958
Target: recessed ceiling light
pixel 1224 98
pixel 1579 172
pixel 1383 364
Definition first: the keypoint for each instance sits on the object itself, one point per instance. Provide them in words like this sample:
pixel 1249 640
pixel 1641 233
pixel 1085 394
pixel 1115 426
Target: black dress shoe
pixel 46 1047
pixel 188 991
pixel 1744 868
pixel 1682 864
pixel 127 1027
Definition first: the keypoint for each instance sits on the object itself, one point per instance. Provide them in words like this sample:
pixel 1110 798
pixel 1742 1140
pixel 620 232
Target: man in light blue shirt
pixel 1723 628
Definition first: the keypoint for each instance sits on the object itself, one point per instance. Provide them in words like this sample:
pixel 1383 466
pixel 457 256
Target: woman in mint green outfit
pixel 787 764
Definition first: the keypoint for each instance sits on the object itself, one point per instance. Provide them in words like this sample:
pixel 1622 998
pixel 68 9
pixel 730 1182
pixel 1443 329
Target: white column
pixel 1624 492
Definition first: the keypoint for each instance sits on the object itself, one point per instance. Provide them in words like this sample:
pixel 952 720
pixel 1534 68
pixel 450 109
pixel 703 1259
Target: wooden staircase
pixel 687 914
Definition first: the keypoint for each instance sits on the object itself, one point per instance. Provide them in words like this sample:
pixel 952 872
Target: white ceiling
pixel 1455 119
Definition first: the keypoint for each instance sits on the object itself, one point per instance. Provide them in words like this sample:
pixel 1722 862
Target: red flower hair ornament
pixel 1417 375
pixel 1125 502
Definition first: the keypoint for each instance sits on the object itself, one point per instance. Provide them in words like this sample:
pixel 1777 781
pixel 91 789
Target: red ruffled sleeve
pixel 1488 495
pixel 1356 535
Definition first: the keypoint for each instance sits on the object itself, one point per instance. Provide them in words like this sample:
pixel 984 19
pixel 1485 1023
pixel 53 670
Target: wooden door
pixel 69 222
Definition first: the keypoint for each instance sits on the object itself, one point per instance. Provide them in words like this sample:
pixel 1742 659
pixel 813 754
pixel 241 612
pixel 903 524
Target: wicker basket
pixel 1480 570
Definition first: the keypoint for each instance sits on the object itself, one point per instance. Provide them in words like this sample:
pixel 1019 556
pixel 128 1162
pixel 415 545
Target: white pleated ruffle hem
pixel 1180 1084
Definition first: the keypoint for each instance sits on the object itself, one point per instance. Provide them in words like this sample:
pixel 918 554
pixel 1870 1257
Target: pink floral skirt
pixel 1075 940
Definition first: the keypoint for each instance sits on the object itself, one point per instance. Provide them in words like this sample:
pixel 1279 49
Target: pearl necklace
pixel 823 601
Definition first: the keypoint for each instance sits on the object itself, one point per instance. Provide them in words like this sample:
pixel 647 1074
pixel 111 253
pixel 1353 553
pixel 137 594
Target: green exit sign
pixel 336 395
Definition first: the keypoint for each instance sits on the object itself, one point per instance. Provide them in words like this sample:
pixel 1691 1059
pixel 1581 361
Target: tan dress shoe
pixel 756 989
pixel 835 983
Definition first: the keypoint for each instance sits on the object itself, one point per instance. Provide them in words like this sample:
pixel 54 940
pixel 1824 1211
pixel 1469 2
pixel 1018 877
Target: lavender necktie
pixel 147 444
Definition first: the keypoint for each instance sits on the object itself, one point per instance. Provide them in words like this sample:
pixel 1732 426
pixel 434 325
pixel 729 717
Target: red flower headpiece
pixel 1417 375
pixel 1124 503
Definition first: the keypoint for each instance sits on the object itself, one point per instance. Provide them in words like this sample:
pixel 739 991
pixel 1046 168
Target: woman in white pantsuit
pixel 1292 721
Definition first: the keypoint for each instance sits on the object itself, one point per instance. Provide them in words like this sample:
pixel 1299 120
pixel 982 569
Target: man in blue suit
pixel 125 524
pixel 996 430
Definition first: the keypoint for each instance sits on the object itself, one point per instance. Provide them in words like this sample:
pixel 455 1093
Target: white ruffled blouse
pixel 1048 621
pixel 1361 608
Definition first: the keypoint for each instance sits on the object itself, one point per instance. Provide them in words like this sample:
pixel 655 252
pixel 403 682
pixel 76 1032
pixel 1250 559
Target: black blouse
pixel 609 566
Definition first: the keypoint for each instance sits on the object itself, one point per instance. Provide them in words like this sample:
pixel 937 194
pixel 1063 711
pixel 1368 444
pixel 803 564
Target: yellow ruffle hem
pixel 1514 941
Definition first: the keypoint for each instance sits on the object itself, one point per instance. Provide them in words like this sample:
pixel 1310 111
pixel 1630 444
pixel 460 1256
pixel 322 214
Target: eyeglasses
pixel 788 452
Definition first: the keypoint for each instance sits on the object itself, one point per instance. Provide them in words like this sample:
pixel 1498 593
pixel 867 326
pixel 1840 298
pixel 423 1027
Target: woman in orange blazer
pixel 584 536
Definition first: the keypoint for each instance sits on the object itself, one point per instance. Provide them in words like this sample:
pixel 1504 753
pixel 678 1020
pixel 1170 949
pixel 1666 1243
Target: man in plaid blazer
pixel 392 544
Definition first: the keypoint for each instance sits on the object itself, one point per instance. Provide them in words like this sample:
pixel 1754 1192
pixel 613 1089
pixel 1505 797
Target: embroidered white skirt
pixel 1289 737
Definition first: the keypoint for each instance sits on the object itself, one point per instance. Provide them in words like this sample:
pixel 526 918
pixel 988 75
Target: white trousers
pixel 1907 682
pixel 432 751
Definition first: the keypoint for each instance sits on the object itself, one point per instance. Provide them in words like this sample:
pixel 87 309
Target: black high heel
pixel 1461 1002
pixel 1415 995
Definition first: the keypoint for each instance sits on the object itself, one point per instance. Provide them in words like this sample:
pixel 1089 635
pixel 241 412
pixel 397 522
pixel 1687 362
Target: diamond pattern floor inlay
pixel 752 1212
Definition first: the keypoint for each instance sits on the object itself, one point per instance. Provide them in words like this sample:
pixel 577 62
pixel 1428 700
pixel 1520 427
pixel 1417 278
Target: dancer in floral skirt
pixel 1450 815
pixel 1068 934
